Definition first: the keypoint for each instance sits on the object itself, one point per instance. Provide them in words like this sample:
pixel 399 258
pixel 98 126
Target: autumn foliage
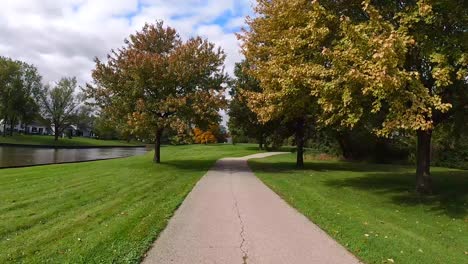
pixel 401 64
pixel 157 81
pixel 203 137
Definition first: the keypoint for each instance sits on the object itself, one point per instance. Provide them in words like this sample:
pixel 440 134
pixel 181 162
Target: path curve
pixel 230 216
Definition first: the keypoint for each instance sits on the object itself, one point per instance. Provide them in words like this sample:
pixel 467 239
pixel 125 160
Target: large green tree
pixel 156 81
pixel 242 120
pixel 399 64
pixel 283 44
pixel 405 60
pixel 20 84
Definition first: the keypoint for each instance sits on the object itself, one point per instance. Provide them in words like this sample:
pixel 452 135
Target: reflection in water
pixel 21 156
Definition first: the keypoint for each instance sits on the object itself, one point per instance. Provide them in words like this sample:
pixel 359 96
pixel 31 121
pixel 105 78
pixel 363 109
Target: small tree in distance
pixel 242 120
pixel 59 105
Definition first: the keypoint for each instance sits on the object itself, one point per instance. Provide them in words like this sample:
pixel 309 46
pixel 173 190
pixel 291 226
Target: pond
pixel 11 156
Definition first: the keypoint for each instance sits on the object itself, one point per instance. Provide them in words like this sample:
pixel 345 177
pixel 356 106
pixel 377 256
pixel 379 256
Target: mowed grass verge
pixel 64 142
pixel 372 210
pixel 98 212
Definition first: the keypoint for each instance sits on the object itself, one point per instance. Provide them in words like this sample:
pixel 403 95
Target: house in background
pixel 85 132
pixel 39 128
pixel 75 131
pixel 35 128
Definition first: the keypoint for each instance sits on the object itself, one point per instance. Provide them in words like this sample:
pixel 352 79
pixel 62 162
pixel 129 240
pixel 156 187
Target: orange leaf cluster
pixel 203 137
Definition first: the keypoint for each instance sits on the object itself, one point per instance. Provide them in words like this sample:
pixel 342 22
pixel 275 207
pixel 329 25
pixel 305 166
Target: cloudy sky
pixel 62 37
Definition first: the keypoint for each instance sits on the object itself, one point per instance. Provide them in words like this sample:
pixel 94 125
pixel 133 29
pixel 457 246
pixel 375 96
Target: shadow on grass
pixel 325 166
pixel 190 165
pixel 450 196
pixel 197 165
pixel 396 182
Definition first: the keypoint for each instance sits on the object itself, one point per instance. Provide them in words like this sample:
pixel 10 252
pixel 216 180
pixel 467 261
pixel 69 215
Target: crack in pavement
pixel 232 217
pixel 242 231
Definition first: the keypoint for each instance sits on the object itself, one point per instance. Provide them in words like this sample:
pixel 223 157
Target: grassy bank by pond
pixel 372 209
pixel 98 212
pixel 63 142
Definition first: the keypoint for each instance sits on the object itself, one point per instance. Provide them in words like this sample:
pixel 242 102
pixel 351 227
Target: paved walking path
pixel 232 217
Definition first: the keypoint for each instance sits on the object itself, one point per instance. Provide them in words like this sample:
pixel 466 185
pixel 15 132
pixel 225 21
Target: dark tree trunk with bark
pixel 157 146
pixel 423 163
pixel 56 133
pixel 260 142
pixel 300 127
pixel 343 141
pixel 4 126
pixel 12 122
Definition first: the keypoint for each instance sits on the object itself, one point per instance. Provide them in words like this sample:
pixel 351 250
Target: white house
pixel 37 128
pixel 32 128
pixel 75 131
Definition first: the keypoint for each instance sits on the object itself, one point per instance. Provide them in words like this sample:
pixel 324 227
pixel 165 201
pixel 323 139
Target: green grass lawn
pixel 372 209
pixel 75 141
pixel 98 212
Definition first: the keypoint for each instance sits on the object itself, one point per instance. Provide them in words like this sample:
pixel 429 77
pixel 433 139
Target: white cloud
pixel 62 37
pixel 236 23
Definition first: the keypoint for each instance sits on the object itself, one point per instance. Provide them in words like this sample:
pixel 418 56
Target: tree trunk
pixel 260 142
pixel 11 127
pixel 157 146
pixel 343 141
pixel 300 143
pixel 56 133
pixel 423 174
pixel 4 126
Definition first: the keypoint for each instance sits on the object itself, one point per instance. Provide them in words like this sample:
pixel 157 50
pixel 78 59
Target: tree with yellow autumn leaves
pixel 282 47
pixel 343 62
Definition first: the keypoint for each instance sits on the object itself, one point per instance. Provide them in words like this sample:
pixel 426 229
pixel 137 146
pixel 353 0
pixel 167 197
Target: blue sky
pixel 61 37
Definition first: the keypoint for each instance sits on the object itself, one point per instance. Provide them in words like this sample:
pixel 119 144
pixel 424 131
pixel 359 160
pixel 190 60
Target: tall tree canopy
pixel 402 65
pixel 20 83
pixel 407 61
pixel 283 44
pixel 60 105
pixel 242 120
pixel 156 81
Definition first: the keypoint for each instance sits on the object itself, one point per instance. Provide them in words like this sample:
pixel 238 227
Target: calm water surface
pixel 21 156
